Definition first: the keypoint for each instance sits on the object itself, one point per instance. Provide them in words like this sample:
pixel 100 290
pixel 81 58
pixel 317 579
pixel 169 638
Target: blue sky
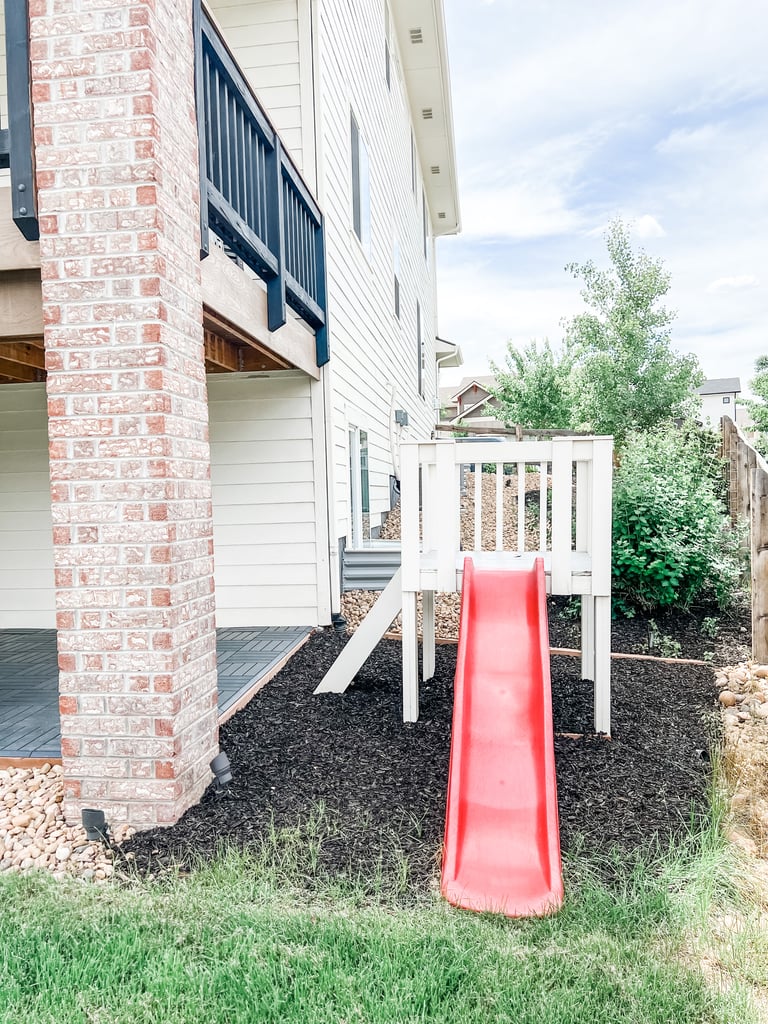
pixel 570 114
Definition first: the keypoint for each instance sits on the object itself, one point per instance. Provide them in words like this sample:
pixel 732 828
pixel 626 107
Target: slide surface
pixel 502 842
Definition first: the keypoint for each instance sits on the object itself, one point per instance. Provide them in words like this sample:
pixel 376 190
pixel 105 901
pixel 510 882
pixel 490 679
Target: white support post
pixel 602 616
pixel 587 637
pixel 427 634
pixel 562 514
pixel 409 515
pixel 410 658
pixel 447 504
pixel 601 515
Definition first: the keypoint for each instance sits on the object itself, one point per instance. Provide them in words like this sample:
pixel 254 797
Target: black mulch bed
pixel 383 783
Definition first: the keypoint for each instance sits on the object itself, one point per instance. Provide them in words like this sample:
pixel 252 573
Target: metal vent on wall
pixel 435 169
pixel 441 216
pixel 416 35
pixel 427 113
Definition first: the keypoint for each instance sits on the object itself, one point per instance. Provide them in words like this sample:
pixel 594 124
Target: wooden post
pixel 759 539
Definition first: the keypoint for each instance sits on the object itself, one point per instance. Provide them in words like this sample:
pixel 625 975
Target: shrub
pixel 672 542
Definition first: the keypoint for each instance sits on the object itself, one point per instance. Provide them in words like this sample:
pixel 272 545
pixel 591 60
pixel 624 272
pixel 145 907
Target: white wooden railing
pixel 571 529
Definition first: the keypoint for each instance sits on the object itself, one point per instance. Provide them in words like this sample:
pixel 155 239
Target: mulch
pixel 382 783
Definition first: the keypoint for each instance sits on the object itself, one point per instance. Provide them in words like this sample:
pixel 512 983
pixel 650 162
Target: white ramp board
pixel 364 639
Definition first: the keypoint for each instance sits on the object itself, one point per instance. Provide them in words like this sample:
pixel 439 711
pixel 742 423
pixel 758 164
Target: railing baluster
pixel 478 508
pixel 543 472
pixel 499 505
pixel 521 483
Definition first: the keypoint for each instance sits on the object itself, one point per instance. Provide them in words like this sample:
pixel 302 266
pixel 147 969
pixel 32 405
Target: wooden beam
pixel 21 304
pixel 235 307
pixel 20 374
pixel 216 324
pixel 221 354
pixel 16 253
pixel 22 352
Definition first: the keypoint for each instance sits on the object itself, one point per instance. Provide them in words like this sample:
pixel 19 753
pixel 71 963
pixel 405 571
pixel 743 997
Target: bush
pixel 672 541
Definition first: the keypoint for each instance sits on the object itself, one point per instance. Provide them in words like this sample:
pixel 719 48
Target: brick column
pixel 117 174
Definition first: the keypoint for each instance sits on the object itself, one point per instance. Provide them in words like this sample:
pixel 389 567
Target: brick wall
pixel 116 158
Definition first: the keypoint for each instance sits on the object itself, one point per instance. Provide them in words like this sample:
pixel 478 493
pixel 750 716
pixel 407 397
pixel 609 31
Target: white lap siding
pixel 270 40
pixel 26 532
pixel 264 501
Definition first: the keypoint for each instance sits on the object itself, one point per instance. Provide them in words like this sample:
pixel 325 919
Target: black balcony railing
pixel 16 138
pixel 254 198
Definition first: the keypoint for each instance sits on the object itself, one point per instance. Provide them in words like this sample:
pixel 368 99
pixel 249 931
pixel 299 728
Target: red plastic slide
pixel 502 843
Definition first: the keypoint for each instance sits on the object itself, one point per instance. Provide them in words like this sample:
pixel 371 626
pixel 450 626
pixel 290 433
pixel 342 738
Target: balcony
pixel 262 236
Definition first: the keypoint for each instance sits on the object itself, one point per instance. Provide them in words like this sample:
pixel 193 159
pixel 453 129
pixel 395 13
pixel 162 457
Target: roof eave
pixel 426 72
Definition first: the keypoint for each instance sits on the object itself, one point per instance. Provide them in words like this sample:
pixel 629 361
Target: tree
pixel 758 406
pixel 534 391
pixel 626 374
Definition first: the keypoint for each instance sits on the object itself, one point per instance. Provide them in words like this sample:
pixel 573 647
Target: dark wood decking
pixel 29 685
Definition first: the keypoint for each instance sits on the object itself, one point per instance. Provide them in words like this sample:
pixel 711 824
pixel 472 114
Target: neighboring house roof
pixel 420 27
pixel 486 400
pixel 720 386
pixel 448 353
pixel 483 382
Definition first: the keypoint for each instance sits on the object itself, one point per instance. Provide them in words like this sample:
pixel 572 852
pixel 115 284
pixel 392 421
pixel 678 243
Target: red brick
pixel 67 705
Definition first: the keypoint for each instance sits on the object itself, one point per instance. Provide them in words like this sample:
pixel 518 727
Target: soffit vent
pixel 427 113
pixel 435 169
pixel 416 35
pixel 441 215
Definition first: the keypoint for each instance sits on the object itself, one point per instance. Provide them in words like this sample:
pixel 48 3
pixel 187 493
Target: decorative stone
pixel 727 698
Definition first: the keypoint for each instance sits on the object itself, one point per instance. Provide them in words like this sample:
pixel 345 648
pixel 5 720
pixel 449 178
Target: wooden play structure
pixel 566 521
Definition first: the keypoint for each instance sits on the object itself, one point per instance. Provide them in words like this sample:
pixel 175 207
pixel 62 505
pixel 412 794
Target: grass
pixel 245 940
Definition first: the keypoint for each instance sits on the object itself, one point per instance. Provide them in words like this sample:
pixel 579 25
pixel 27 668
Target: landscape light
pixel 95 825
pixel 222 771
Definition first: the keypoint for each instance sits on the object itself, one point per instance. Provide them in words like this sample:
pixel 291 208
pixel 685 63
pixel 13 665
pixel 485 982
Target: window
pixel 419 352
pixel 396 265
pixel 360 507
pixel 726 400
pixel 361 197
pixel 387 54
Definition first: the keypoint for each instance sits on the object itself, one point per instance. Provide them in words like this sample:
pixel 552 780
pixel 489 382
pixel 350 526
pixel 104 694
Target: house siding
pixel 372 351
pixel 266 38
pixel 264 504
pixel 26 530
pixel 265 507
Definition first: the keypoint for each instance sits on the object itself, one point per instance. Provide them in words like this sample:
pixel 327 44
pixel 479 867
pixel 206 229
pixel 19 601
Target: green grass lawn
pixel 248 939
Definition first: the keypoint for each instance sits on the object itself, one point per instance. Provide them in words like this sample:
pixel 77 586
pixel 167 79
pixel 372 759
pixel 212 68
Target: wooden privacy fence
pixel 748 503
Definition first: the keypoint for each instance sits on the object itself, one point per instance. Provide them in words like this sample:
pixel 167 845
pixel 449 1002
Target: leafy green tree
pixel 758 406
pixel 534 390
pixel 626 374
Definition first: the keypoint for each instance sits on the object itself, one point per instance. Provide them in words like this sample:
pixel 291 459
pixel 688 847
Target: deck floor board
pixel 29 680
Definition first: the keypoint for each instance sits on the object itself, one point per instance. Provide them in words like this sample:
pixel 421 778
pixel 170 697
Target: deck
pixel 29 688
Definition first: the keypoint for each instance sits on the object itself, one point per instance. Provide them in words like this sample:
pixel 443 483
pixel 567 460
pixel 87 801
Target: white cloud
pixel 732 284
pixel 520 210
pixel 648 227
pixel 686 140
